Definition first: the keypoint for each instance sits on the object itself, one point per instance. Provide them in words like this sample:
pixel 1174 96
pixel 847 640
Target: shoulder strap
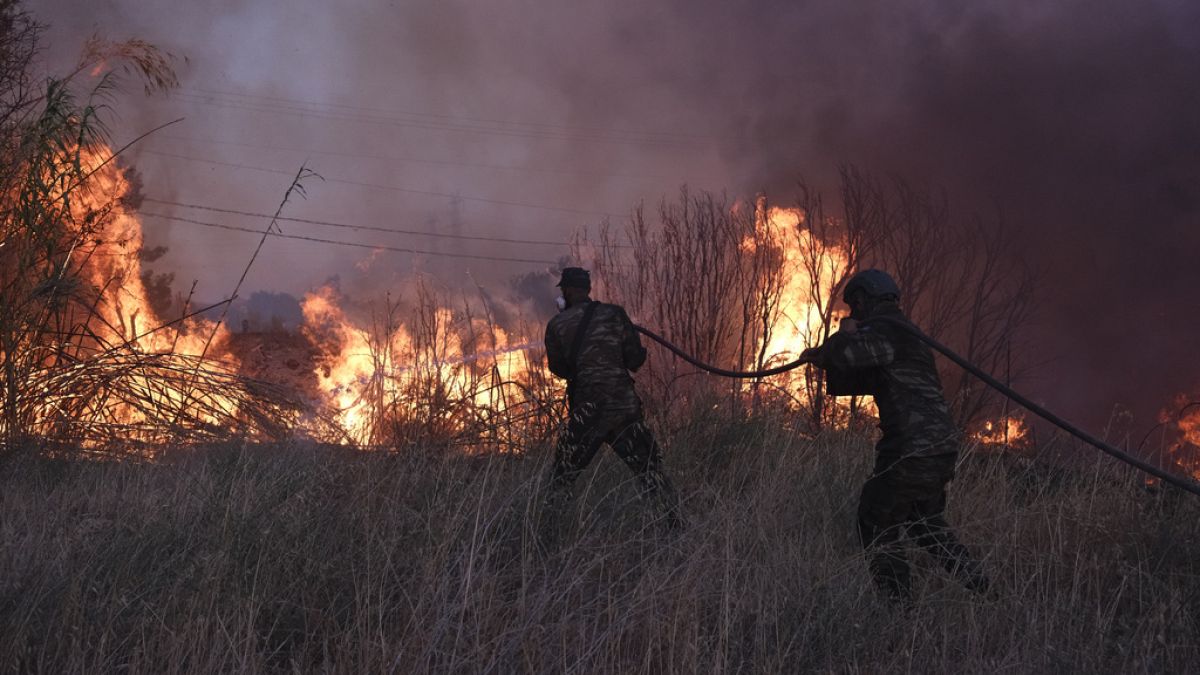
pixel 580 333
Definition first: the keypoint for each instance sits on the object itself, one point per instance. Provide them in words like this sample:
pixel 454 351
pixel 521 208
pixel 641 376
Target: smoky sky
pixel 1078 122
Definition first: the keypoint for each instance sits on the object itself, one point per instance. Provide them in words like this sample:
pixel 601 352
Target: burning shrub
pixel 426 374
pixel 85 358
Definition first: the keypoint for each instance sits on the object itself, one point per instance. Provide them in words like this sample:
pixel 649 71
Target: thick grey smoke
pixel 1080 121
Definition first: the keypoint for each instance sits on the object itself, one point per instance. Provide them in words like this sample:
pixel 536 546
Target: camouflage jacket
pixel 898 370
pixel 610 350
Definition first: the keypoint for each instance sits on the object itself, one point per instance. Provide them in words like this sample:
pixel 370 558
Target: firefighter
pixel 594 347
pixel 915 458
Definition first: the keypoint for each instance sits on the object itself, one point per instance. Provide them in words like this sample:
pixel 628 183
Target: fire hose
pixel 744 374
pixel 1013 395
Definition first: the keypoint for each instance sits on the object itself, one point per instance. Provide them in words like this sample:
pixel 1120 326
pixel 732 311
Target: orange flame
pixel 808 280
pixel 1189 425
pixel 105 365
pixel 449 361
pixel 1011 431
pixel 116 267
pixel 125 315
pixel 427 372
pixel 810 271
pixel 1183 417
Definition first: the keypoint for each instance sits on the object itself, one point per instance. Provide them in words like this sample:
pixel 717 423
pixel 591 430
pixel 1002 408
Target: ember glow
pixel 1011 432
pixel 1182 418
pixel 1189 425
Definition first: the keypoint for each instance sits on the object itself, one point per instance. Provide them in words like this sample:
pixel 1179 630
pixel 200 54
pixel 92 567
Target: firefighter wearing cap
pixel 594 346
pixel 871 355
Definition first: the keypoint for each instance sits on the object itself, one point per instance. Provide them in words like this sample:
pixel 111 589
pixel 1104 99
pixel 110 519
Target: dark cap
pixel 575 277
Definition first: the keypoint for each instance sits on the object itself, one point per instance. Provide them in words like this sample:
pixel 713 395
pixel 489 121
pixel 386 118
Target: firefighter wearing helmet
pixel 916 455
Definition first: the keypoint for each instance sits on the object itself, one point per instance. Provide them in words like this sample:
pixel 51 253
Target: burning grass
pixel 88 360
pixel 266 558
pixel 85 360
pixel 123 399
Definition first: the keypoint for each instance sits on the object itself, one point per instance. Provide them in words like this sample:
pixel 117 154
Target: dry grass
pixel 283 559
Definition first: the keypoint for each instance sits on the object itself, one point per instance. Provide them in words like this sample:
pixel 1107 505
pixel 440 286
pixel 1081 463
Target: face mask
pixel 561 302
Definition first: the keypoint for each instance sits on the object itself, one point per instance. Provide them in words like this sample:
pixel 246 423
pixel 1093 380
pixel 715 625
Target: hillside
pixel 281 559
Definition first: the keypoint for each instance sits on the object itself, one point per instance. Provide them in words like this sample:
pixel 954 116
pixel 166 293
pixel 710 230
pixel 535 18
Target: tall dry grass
pixel 290 559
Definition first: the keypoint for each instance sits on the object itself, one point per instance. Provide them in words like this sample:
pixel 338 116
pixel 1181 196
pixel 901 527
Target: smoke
pixel 1078 121
pixel 1079 124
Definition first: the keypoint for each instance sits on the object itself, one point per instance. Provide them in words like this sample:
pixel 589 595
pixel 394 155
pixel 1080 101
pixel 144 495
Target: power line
pixel 554 171
pixel 444 122
pixel 349 226
pixel 391 122
pixel 335 242
pixel 393 188
pixel 544 125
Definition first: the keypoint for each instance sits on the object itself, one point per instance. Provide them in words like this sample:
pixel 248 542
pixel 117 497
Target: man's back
pixel 609 350
pixel 913 412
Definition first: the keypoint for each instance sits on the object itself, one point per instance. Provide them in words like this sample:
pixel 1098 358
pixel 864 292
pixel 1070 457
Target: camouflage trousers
pixel 592 425
pixel 906 498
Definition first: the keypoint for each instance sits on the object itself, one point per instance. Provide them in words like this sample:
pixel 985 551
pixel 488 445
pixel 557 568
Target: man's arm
pixel 633 354
pixel 854 350
pixel 556 357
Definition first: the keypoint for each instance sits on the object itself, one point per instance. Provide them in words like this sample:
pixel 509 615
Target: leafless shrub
pixel 719 279
pixel 707 275
pixel 963 282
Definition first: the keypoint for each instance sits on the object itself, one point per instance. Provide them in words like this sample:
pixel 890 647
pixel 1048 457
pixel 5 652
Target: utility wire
pixel 553 171
pixel 374 228
pixel 448 195
pixel 367 228
pixel 543 125
pixel 335 242
pixel 662 144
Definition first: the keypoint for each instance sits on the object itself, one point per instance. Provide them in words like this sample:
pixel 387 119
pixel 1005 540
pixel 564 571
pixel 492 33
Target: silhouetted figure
pixel 594 346
pixel 871 355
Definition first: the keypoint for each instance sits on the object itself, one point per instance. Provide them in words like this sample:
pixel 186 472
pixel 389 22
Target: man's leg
pixel 881 516
pixel 931 532
pixel 635 445
pixel 574 451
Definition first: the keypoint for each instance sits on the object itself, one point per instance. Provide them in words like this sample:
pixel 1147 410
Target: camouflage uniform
pixel 604 408
pixel 915 456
